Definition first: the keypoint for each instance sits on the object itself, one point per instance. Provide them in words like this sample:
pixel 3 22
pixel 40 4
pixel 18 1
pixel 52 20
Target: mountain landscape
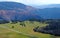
pixel 16 11
pixel 20 12
pixel 32 21
pixel 51 11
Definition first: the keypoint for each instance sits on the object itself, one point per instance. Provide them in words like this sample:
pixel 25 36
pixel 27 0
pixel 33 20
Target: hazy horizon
pixel 35 2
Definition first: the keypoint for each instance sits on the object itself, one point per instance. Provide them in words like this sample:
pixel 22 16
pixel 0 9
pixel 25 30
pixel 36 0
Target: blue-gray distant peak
pixel 50 11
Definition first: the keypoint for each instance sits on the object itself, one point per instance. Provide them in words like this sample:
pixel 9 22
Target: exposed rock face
pixel 12 11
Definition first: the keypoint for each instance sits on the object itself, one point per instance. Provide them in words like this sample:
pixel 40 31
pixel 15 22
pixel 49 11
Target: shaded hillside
pixel 53 28
pixel 17 12
pixel 50 13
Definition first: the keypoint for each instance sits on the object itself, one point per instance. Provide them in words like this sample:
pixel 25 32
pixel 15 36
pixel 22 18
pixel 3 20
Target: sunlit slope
pixel 6 33
pixel 24 31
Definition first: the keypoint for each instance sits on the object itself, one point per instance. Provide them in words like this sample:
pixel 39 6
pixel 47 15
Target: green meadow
pixel 16 30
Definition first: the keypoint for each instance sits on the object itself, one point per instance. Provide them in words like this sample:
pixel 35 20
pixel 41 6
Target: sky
pixel 35 2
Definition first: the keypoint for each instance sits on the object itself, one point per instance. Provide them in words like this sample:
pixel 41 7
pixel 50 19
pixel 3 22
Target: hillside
pixel 27 18
pixel 50 13
pixel 12 11
pixel 20 31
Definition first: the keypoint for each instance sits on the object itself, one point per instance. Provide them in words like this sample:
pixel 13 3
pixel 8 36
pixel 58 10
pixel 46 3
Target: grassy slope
pixel 5 33
pixel 26 31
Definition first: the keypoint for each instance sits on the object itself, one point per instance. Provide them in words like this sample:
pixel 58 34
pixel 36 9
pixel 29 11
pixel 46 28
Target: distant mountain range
pixel 17 12
pixel 49 11
pixel 20 12
pixel 47 6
